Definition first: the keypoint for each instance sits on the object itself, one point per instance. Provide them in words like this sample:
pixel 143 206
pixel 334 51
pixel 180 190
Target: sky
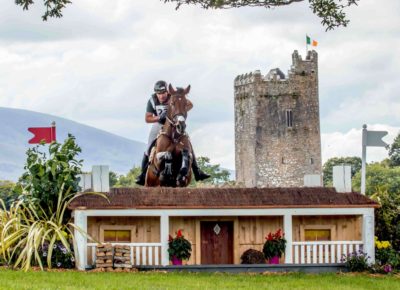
pixel 97 65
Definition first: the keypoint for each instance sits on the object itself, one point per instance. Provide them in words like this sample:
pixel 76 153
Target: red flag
pixel 46 134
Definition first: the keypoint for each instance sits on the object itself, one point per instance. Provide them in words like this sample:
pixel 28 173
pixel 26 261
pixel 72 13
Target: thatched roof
pixel 189 198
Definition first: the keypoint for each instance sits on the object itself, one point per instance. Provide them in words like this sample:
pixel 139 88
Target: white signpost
pixel 373 139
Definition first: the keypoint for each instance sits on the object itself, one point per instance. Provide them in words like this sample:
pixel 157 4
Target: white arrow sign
pixel 374 138
pixel 369 138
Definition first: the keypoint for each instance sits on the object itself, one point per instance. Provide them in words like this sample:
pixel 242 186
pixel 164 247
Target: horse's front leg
pixel 183 176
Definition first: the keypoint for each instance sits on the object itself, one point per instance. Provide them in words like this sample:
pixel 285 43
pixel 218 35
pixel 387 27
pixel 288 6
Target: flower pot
pixel 274 260
pixel 176 261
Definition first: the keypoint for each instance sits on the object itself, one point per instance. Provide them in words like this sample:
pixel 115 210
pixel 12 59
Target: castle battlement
pixel 275 77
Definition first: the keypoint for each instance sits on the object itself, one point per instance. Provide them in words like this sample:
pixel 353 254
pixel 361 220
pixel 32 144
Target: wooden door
pixel 216 242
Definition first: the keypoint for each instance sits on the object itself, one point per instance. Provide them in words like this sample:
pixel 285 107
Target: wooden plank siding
pixel 343 228
pixel 249 231
pixel 252 231
pixel 147 229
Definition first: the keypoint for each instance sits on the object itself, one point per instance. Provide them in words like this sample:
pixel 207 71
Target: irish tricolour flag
pixel 311 42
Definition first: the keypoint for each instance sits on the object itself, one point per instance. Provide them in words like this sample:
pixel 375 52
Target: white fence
pixel 141 253
pixel 322 252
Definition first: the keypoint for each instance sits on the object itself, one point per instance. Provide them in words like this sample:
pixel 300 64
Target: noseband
pixel 175 123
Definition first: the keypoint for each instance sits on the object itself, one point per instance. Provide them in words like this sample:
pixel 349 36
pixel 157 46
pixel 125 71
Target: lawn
pixel 158 280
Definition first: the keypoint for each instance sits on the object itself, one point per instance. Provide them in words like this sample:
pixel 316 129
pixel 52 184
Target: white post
pixel 363 158
pixel 368 234
pixel 287 228
pixel 101 178
pixel 80 220
pixel 164 232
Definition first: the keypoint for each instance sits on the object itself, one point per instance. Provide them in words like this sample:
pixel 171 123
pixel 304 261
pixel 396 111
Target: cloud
pixel 338 144
pixel 97 65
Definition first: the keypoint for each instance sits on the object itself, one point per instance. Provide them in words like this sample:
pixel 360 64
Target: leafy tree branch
pixel 331 12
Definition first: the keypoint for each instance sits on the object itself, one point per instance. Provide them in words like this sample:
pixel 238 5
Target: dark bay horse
pixel 171 159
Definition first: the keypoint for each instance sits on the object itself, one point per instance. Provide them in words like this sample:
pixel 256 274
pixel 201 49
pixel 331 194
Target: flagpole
pixel 53 129
pixel 306 45
pixel 363 158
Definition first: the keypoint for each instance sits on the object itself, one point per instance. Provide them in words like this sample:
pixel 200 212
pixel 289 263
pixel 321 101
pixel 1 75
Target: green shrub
pixel 47 173
pixel 36 227
pixel 252 256
pixel 356 261
pixel 62 257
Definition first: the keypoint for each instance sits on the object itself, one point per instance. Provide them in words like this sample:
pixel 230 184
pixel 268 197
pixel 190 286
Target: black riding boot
pixel 198 173
pixel 145 163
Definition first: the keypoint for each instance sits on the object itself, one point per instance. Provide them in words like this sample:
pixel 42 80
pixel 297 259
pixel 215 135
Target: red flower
pixel 275 236
pixel 179 234
pixel 170 238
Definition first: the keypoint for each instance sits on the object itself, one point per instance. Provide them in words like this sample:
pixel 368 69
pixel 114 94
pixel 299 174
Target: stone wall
pixel 269 151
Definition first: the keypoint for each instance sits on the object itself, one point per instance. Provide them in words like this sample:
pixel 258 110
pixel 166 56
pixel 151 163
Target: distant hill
pixel 98 147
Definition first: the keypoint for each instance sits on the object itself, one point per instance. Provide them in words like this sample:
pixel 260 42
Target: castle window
pixel 289 118
pixel 311 160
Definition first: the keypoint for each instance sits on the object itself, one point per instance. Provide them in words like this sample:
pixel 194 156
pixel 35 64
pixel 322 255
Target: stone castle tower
pixel 277 131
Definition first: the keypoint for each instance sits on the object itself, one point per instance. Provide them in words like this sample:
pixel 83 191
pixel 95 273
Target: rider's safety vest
pixel 154 106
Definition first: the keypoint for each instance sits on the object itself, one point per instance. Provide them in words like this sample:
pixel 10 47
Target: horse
pixel 171 158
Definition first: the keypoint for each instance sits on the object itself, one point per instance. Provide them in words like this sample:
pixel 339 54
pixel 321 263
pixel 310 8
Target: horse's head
pixel 177 111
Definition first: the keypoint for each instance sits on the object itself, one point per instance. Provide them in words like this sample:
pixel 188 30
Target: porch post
pixel 368 233
pixel 80 220
pixel 164 232
pixel 287 228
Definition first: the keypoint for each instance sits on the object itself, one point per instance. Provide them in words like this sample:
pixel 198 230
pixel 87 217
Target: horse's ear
pixel 187 90
pixel 171 89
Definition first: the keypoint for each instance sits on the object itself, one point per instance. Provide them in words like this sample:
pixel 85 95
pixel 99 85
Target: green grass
pixel 151 280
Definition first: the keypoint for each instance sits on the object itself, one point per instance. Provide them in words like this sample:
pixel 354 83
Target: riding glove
pixel 162 117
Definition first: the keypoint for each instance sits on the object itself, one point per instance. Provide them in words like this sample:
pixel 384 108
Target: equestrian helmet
pixel 160 87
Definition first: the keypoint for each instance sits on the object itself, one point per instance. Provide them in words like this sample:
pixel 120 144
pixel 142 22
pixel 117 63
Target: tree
pixel 53 7
pixel 113 178
pixel 387 217
pixel 330 11
pixel 354 161
pixel 218 175
pixel 379 176
pixel 7 193
pixel 129 180
pixel 394 152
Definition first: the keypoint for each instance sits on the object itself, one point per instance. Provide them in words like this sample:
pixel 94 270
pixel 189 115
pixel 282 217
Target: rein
pixel 172 135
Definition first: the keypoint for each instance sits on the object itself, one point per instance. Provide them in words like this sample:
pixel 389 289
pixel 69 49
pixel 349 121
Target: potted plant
pixel 274 246
pixel 179 248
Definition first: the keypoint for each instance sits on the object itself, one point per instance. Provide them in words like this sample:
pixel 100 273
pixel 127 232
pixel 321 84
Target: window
pixel 117 233
pixel 117 236
pixel 319 232
pixel 289 118
pixel 311 160
pixel 317 235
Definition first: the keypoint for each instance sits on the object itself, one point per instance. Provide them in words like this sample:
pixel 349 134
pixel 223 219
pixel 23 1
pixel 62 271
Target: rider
pixel 156 113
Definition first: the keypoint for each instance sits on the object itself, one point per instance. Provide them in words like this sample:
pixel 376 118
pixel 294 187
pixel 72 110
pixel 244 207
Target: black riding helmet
pixel 160 87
